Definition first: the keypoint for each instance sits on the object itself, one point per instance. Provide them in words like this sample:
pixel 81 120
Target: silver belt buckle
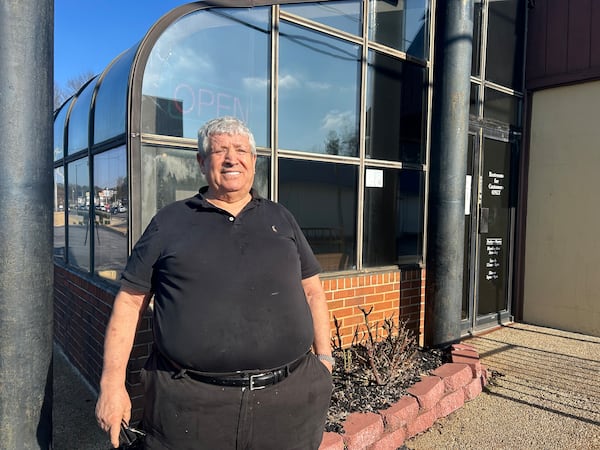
pixel 251 380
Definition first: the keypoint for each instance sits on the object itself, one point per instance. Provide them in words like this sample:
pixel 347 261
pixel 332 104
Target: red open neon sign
pixel 208 102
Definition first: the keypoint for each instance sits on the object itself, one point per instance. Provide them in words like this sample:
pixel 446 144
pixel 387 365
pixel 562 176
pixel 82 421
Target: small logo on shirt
pixel 274 228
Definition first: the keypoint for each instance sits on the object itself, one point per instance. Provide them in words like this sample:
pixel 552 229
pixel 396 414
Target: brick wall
pixel 81 311
pixel 83 304
pixel 397 294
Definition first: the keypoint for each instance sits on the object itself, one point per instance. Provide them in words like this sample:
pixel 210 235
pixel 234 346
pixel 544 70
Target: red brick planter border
pixel 434 397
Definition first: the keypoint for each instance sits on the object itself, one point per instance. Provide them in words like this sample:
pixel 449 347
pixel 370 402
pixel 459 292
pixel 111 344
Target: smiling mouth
pixel 231 173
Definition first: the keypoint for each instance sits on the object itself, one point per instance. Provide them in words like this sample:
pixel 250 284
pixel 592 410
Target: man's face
pixel 228 166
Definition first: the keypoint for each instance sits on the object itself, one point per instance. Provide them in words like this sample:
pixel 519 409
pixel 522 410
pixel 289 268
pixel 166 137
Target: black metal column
pixel 448 168
pixel 26 212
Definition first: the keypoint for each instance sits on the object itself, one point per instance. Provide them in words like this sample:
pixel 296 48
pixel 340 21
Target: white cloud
pixel 255 83
pixel 336 120
pixel 318 86
pixel 288 82
pixel 195 66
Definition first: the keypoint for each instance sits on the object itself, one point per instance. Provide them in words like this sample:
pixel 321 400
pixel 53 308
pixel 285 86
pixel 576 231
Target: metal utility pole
pixel 26 189
pixel 448 168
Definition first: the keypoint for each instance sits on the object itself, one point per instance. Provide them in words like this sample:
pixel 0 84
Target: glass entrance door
pixel 489 213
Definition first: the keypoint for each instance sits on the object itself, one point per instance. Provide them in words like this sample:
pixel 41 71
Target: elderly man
pixel 242 356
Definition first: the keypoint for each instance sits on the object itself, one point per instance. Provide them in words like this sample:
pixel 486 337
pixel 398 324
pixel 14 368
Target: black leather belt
pixel 246 379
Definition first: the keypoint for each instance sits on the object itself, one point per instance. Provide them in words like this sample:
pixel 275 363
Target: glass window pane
pixel 322 197
pixel 168 174
pixel 59 131
pixel 79 120
pixel 505 45
pixel 59 212
pixel 319 83
pixel 393 221
pixel 402 25
pixel 111 200
pixel 78 201
pixel 345 15
pixel 395 129
pixel 476 55
pixel 262 176
pixel 111 99
pixel 209 63
pixel 502 107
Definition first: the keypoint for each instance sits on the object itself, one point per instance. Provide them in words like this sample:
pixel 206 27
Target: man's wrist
pixel 327 358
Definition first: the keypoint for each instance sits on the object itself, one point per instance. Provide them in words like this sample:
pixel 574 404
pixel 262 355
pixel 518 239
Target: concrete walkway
pixel 74 423
pixel 545 394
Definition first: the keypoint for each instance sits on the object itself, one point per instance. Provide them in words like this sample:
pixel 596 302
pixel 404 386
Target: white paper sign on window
pixel 374 178
pixel 468 182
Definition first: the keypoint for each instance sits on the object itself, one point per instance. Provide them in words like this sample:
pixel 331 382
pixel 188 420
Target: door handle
pixel 484 220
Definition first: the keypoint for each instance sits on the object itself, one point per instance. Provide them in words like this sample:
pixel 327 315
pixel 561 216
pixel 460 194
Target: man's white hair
pixel 223 125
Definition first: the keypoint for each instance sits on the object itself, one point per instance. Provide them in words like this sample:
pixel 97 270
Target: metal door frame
pixel 473 323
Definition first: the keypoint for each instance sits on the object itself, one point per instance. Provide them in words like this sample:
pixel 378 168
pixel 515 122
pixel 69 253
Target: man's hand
pixel 113 408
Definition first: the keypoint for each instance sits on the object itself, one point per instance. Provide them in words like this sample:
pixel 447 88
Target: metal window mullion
pixel 503 89
pixel 65 165
pixel 483 62
pixel 315 26
pixel 360 205
pixel 91 212
pixel 428 116
pixel 396 53
pixel 168 141
pixel 92 208
pixel 274 122
pixel 67 209
pixel 299 155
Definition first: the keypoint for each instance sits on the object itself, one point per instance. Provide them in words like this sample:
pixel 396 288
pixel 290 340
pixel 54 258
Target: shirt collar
pixel 199 200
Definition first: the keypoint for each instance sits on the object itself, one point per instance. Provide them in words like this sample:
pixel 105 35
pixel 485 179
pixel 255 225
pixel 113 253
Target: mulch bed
pixel 355 389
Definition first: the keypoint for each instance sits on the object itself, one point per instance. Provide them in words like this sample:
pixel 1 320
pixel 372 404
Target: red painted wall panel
pixel 563 42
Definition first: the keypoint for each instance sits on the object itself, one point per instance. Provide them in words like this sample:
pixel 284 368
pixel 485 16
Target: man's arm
pixel 114 404
pixel 315 296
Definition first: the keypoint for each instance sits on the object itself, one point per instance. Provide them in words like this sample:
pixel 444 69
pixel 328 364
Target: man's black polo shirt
pixel 228 290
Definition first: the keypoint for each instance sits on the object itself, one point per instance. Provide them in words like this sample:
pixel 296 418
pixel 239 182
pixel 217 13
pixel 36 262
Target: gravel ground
pixel 545 394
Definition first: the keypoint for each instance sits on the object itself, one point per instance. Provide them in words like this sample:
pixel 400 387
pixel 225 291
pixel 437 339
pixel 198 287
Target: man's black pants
pixel 181 413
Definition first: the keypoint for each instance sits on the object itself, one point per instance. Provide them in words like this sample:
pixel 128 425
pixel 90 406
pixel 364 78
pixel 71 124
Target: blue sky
pixel 88 34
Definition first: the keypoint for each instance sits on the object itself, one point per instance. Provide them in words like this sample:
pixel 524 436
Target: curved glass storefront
pixel 336 94
pixel 207 64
